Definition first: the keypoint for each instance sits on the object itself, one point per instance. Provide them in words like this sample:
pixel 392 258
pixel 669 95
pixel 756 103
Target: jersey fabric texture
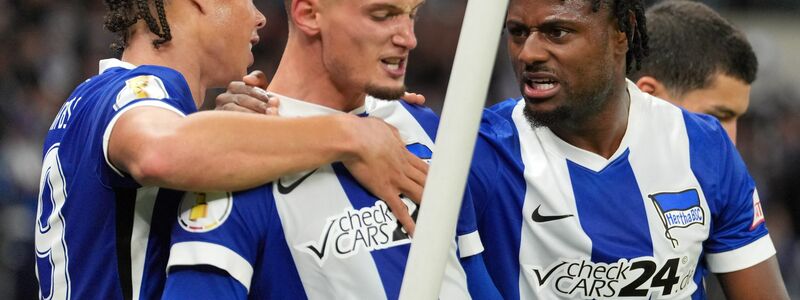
pixel 93 237
pixel 316 234
pixel 674 202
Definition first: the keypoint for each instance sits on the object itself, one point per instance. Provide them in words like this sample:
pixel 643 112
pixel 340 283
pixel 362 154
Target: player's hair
pixel 631 20
pixel 691 43
pixel 122 14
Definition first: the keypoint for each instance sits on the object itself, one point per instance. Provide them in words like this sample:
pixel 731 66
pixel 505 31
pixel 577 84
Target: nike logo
pixel 538 218
pixel 288 189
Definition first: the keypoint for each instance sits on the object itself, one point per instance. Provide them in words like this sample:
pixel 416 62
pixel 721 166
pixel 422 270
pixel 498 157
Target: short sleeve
pixel 145 90
pixel 738 238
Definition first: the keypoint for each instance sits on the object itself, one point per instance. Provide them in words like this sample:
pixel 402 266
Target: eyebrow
pixel 549 22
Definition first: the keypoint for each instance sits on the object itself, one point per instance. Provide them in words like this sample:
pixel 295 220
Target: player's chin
pixel 386 91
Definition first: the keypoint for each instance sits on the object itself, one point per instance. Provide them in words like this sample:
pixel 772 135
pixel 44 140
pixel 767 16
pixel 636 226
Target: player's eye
pixel 517 32
pixel 557 33
pixel 380 15
pixel 384 14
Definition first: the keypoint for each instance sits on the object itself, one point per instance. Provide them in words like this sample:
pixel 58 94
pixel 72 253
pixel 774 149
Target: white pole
pixel 466 95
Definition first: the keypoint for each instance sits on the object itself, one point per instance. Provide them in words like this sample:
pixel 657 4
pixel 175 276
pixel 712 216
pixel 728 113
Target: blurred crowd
pixel 48 47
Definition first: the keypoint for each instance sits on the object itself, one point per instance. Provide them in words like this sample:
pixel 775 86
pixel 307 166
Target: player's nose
pixel 405 36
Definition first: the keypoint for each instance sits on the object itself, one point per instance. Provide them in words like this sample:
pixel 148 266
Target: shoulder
pixel 704 128
pixel 419 111
pixel 404 115
pixel 424 116
pixel 156 83
pixel 505 107
pixel 497 128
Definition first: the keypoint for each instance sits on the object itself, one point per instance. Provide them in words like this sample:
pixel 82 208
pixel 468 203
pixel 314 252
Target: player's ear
pixel 202 6
pixel 305 15
pixel 653 87
pixel 620 37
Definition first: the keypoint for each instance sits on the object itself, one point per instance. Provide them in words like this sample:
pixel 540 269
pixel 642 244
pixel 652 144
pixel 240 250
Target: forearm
pixel 211 151
pixel 762 281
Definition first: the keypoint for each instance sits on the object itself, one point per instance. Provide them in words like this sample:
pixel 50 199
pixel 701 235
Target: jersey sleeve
pixel 495 135
pixel 479 282
pixel 738 238
pixel 145 87
pixel 469 241
pixel 220 230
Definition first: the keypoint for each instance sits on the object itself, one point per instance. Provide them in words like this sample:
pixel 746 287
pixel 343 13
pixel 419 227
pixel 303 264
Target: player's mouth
pixel 395 66
pixel 540 85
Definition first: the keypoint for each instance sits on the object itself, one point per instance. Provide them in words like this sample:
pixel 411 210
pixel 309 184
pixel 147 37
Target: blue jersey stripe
pixel 390 268
pixel 282 273
pixel 498 156
pixel 609 202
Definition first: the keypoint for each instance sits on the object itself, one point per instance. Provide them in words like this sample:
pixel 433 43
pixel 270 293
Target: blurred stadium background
pixel 47 47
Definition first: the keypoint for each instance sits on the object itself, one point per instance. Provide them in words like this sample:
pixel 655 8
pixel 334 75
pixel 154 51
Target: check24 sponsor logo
pixel 640 277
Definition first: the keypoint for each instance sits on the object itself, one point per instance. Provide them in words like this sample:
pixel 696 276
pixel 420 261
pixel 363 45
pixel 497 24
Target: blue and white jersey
pixel 674 202
pixel 93 237
pixel 316 234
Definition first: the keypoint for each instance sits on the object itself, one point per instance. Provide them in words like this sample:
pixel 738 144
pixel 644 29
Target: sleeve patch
pixel 141 87
pixel 758 214
pixel 203 212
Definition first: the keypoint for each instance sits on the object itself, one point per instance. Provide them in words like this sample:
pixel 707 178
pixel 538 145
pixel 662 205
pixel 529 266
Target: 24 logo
pixel 640 277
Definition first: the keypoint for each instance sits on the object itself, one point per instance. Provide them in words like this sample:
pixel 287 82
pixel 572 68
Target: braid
pixel 117 20
pixel 144 14
pixel 122 15
pixel 636 32
pixel 162 18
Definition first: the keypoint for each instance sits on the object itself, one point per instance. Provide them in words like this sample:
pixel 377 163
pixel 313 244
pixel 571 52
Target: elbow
pixel 152 168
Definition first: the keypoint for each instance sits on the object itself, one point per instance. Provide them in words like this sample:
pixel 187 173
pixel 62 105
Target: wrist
pixel 350 144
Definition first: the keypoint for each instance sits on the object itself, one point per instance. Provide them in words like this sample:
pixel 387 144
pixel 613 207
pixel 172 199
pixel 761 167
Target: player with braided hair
pixel 128 135
pixel 588 188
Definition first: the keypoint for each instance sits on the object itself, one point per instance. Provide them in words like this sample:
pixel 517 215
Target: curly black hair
pixel 122 14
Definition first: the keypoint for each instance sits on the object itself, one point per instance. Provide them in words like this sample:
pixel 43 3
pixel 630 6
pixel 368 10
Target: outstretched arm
pixel 215 151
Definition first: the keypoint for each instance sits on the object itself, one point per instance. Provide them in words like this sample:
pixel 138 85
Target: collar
pixel 109 63
pixel 290 107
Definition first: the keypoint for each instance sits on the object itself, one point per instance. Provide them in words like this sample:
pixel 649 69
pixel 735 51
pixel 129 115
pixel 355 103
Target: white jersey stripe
pixel 672 143
pixel 140 235
pixel 302 215
pixel 556 200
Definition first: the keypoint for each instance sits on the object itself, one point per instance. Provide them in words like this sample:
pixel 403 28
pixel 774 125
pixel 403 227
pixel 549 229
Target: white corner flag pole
pixel 466 93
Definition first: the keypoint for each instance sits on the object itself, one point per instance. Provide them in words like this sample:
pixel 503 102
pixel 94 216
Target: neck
pixel 600 133
pixel 173 54
pixel 303 75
